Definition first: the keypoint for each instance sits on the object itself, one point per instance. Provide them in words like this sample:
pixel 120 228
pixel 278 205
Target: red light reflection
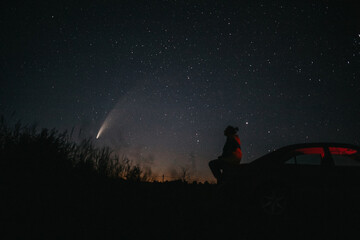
pixel 342 151
pixel 333 151
pixel 312 150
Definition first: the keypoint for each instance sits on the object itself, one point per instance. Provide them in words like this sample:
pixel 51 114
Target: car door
pixel 308 171
pixel 345 181
pixel 346 163
pixel 293 180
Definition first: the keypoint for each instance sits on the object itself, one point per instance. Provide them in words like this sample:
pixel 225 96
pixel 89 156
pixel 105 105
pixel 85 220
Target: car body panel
pixel 313 174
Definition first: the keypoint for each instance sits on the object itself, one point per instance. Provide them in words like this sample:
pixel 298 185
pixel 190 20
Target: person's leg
pixel 215 167
pixel 227 171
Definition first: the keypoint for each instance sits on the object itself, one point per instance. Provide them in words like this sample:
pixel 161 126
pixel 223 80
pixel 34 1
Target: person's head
pixel 230 131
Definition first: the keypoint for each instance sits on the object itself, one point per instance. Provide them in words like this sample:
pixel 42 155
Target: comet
pixel 113 115
pixel 103 126
pixel 119 110
pixel 106 124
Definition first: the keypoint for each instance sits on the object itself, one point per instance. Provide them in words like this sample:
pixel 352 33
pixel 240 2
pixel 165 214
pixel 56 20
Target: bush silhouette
pixel 26 153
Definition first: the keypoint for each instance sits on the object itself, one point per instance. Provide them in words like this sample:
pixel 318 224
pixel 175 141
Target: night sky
pixel 163 79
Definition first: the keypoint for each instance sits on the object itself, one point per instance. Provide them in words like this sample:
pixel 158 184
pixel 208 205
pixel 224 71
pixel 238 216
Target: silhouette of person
pixel 230 156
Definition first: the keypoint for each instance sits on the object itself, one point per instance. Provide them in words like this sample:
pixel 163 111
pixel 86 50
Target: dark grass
pixel 55 188
pixel 26 151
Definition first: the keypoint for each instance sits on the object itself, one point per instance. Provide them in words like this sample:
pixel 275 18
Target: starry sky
pixel 163 79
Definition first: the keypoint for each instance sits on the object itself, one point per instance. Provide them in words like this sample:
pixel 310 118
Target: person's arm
pixel 228 148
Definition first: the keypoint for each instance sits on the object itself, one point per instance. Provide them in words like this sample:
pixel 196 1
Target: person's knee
pixel 211 163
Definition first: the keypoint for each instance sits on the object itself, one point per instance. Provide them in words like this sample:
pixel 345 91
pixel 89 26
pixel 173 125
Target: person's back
pixel 232 149
pixel 231 155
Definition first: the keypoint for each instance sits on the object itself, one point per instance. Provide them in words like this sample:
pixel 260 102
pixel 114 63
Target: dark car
pixel 303 176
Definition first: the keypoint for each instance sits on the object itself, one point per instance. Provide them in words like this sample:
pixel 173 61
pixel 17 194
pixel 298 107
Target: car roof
pixel 319 144
pixel 286 149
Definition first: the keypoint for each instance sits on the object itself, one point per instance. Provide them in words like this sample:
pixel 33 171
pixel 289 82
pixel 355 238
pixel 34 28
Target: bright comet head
pixel 101 130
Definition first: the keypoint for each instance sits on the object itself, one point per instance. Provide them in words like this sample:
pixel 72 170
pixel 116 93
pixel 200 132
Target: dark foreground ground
pixel 53 188
pixel 111 209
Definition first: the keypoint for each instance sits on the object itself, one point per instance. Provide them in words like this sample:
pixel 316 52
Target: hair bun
pixel 231 130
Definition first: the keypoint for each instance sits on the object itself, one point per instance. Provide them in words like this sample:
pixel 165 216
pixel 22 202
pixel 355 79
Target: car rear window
pixel 311 151
pixel 307 156
pixel 345 156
